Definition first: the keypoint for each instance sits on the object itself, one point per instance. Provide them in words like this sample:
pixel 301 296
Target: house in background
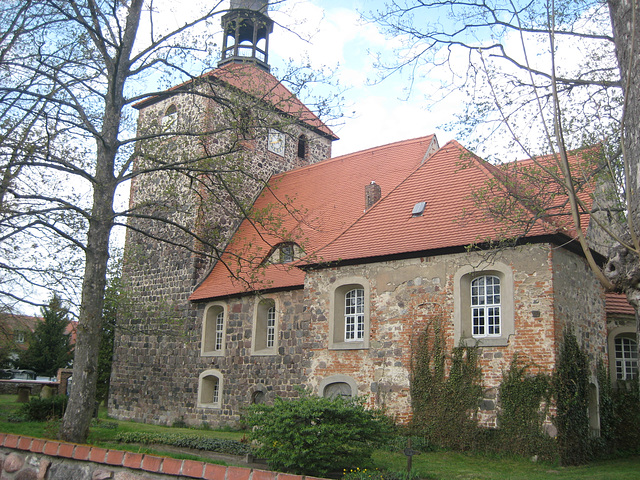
pixel 16 329
pixel 14 332
pixel 370 248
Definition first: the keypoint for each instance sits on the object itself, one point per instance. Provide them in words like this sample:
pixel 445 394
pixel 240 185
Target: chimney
pixel 372 194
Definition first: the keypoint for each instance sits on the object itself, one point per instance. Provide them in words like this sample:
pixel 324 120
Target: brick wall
pixel 26 458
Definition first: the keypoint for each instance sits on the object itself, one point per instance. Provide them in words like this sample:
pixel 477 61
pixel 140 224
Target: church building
pixel 341 264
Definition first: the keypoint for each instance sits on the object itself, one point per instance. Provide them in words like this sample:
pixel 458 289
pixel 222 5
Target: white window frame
pixel 264 340
pixel 623 331
pixel 463 313
pixel 354 315
pixel 213 339
pixel 210 389
pixel 485 306
pixel 625 357
pixel 340 317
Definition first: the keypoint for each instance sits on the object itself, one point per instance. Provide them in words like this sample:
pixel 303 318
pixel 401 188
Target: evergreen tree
pixel 49 347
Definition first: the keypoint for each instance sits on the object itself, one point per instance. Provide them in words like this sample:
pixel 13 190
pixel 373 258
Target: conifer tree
pixel 49 346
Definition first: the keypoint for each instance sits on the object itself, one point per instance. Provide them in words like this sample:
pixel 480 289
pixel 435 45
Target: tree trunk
pixel 623 266
pixel 77 418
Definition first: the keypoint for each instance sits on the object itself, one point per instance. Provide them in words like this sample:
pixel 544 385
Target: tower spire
pixel 246 30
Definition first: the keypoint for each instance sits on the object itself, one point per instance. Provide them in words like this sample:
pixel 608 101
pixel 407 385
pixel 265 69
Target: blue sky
pixel 375 114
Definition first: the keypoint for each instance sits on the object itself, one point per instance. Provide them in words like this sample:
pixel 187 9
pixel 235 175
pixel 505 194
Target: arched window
pixel 210 389
pixel 354 315
pixel 626 357
pixel 213 330
pixel 170 114
pixel 265 328
pixel 349 320
pixel 485 306
pixel 337 385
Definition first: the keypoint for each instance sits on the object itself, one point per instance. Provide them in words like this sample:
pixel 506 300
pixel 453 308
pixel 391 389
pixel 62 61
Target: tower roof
pixel 246 28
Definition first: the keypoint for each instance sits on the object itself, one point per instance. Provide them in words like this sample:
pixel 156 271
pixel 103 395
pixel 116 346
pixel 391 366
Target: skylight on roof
pixel 418 209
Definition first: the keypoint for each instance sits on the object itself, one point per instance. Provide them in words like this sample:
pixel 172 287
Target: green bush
pixel 521 417
pixel 314 435
pixel 42 409
pixel 626 405
pixel 571 390
pixel 230 447
pixel 444 406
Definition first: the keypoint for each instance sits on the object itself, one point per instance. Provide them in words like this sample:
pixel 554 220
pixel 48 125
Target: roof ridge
pixel 359 152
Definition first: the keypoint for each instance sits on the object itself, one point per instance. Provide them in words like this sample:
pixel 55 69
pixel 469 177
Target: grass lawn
pixel 432 465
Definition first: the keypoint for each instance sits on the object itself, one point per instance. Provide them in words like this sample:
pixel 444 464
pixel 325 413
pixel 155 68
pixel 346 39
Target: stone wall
pixel 540 295
pixel 156 356
pixel 405 296
pixel 10 387
pixel 26 458
pixel 580 304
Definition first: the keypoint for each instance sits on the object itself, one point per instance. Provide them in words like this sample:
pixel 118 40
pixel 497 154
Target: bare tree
pixel 72 73
pixel 550 76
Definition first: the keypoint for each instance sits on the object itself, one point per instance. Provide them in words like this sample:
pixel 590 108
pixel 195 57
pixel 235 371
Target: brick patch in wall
pixel 102 457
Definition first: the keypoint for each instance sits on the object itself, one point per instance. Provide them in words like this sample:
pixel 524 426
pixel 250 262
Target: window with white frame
pixel 265 328
pixel 219 331
pixel 20 336
pixel 626 357
pixel 485 306
pixel 271 327
pixel 354 315
pixel 213 330
pixel 349 315
pixel 210 383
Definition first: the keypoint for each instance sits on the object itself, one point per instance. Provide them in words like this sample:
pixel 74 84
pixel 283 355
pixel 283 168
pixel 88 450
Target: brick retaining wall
pixel 27 458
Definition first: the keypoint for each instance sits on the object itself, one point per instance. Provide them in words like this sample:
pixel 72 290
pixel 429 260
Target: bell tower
pixel 246 33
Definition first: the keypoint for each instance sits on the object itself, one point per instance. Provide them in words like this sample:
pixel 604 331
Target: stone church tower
pixel 210 145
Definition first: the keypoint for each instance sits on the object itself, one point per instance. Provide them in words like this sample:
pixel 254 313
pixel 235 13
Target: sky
pixel 375 113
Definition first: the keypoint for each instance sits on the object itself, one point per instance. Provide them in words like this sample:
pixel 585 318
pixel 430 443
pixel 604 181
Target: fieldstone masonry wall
pixel 157 351
pixel 404 296
pixel 26 458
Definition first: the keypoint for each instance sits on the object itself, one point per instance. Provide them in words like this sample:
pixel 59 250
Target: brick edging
pixel 140 461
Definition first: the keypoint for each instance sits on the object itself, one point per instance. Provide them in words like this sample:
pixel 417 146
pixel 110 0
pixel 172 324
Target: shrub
pixel 230 447
pixel 42 409
pixel 315 435
pixel 626 405
pixel 521 417
pixel 571 391
pixel 444 407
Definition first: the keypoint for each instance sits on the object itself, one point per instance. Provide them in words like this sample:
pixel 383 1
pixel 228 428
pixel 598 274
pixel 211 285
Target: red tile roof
pixel 261 85
pixel 326 198
pixel 329 198
pixel 617 303
pixel 452 217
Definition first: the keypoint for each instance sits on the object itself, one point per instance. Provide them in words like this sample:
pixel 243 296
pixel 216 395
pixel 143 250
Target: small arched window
pixel 302 147
pixel 170 114
pixel 210 389
pixel 265 328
